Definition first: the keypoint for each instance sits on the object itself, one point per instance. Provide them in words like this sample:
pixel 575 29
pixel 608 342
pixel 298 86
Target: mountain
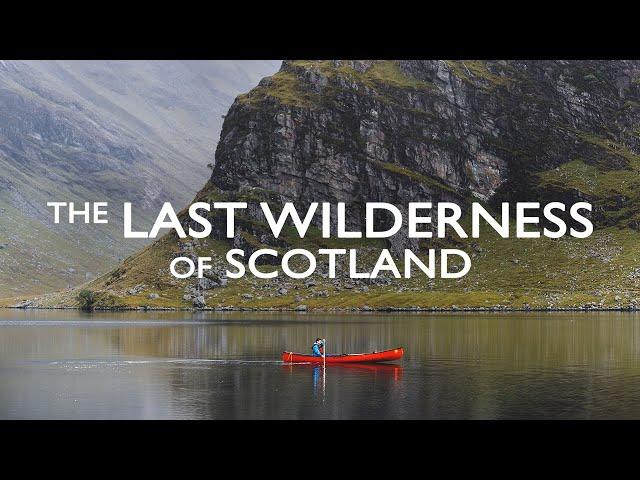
pixel 101 131
pixel 400 131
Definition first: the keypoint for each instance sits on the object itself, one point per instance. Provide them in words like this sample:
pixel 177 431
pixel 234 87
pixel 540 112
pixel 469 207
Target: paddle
pixel 324 353
pixel 324 367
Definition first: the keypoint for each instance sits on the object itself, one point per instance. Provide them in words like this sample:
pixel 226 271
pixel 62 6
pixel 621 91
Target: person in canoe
pixel 318 348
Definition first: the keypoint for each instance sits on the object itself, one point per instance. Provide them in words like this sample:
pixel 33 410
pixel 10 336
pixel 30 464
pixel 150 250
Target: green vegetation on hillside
pixel 287 87
pixel 415 176
pixel 470 70
pixel 614 190
pixel 601 272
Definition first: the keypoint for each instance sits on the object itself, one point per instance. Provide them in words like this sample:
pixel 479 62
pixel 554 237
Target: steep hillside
pixel 400 131
pixel 101 131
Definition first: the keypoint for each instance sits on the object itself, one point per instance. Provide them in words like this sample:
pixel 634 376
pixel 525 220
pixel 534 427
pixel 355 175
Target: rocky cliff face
pixel 358 131
pixel 401 131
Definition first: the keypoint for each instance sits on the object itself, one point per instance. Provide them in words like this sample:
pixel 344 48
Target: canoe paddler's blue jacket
pixel 315 350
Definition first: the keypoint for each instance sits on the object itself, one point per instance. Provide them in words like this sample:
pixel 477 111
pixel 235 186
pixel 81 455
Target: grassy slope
pixel 513 273
pixel 615 191
pixel 40 256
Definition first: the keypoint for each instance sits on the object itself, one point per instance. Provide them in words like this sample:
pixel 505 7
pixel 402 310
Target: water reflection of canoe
pixel 386 356
pixel 383 369
pixel 374 367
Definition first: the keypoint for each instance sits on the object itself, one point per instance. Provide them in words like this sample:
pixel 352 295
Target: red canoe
pixel 386 356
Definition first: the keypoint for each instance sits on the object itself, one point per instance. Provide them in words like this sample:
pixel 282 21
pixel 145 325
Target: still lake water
pixel 70 365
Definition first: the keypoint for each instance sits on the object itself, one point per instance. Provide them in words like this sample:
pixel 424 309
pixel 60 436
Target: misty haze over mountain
pixel 139 131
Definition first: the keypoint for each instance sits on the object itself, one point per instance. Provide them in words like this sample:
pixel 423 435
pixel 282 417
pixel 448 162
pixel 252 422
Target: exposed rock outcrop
pixel 358 131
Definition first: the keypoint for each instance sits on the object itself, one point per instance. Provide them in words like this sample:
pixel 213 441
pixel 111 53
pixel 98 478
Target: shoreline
pixel 343 310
